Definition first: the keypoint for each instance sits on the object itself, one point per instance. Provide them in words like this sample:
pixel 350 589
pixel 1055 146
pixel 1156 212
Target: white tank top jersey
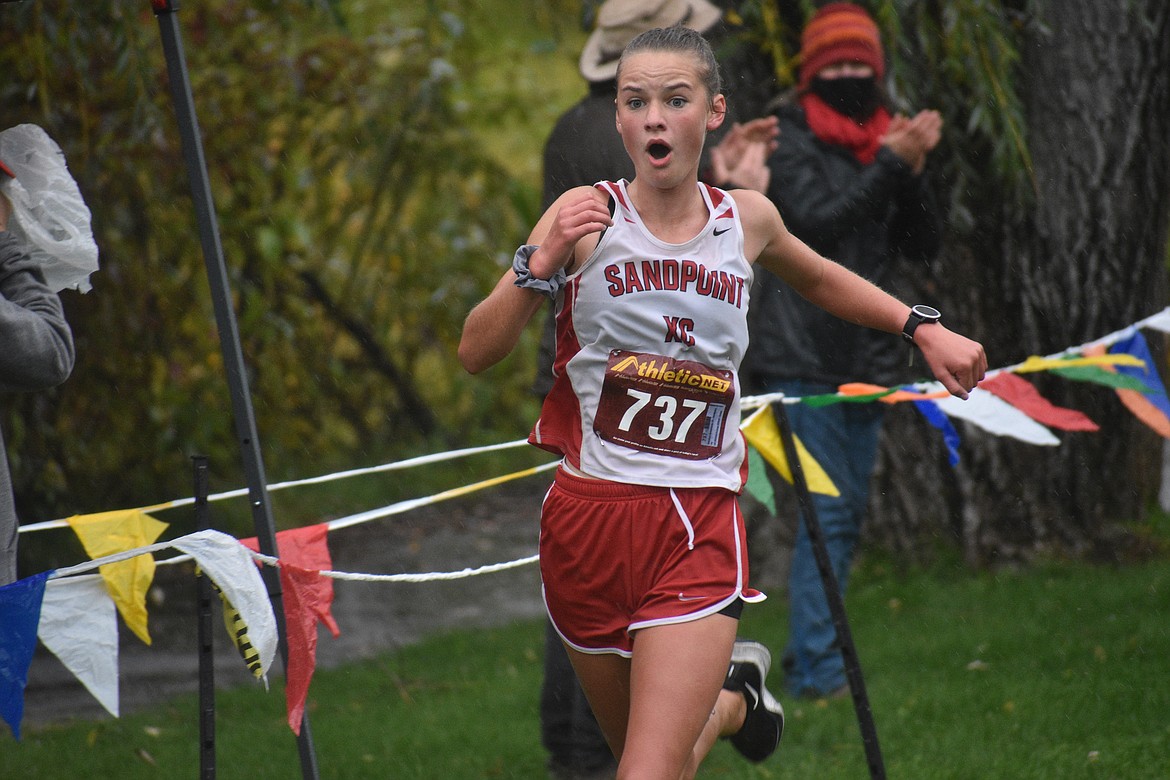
pixel 649 340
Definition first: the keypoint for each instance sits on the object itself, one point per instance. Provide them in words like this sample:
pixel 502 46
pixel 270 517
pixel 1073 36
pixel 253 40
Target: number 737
pixel 669 406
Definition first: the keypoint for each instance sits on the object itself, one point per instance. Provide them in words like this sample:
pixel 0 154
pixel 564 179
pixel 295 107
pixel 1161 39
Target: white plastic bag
pixel 48 213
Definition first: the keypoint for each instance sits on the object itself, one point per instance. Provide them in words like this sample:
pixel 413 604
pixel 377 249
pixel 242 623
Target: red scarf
pixel 862 139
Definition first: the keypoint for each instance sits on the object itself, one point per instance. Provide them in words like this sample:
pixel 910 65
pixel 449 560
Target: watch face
pixel 927 313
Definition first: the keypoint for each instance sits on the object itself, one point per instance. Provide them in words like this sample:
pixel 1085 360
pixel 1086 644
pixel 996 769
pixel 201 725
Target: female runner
pixel 642 547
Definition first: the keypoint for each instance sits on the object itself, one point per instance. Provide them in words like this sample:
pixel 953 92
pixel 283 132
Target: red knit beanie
pixel 838 32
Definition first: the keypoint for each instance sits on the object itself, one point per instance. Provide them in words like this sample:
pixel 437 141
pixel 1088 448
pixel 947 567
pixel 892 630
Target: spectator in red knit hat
pixel 840 32
pixel 848 179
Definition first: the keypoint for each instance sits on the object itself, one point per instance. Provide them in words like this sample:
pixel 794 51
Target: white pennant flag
pixel 232 569
pixel 1160 321
pixel 993 414
pixel 80 627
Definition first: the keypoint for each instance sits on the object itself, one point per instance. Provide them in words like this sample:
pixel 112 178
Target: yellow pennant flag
pixel 1037 363
pixel 106 533
pixel 762 433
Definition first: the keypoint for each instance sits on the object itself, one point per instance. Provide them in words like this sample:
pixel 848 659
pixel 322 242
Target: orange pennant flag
pixel 307 548
pixel 895 397
pixel 301 611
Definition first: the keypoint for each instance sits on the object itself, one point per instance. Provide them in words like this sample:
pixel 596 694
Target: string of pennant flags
pixel 74 612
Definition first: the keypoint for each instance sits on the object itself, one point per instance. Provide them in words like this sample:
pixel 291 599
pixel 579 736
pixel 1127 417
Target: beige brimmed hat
pixel 620 21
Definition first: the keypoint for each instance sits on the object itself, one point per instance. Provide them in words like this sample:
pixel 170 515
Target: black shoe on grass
pixel 763 726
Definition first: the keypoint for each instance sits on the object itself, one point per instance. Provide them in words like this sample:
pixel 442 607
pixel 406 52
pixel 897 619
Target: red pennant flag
pixel 1023 395
pixel 302 609
pixel 308 598
pixel 306 547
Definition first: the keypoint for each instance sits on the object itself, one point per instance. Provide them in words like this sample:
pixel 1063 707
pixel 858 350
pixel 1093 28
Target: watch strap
pixel 916 318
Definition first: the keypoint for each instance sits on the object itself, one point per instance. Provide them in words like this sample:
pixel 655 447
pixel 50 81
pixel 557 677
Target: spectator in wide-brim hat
pixel 619 21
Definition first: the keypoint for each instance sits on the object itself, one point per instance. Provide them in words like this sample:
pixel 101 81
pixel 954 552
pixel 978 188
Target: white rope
pixel 117 557
pixel 268 560
pixel 421 460
pixel 345 522
pixel 427 577
pixel 413 503
pixel 1160 321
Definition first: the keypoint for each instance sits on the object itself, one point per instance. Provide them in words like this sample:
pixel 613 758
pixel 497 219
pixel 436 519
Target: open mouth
pixel 658 150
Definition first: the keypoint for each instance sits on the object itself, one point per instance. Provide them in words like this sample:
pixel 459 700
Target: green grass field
pixel 1055 673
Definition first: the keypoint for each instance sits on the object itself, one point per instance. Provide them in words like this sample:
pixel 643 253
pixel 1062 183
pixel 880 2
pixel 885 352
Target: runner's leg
pixel 676 675
pixel 605 678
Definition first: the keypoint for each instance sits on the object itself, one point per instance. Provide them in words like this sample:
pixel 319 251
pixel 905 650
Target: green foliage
pixel 361 217
pixel 962 58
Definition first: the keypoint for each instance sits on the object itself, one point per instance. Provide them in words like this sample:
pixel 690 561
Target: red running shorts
pixel 615 558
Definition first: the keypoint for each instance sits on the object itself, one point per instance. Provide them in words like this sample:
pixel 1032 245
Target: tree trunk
pixel 1087 258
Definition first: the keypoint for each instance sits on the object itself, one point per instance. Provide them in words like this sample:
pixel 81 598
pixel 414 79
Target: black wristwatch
pixel 919 315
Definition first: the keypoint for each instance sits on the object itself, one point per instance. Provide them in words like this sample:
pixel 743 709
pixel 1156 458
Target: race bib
pixel 658 404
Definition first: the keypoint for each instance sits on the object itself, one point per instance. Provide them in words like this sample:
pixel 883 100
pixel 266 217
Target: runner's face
pixel 664 114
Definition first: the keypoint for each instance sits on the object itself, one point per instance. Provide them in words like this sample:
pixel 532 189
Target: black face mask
pixel 856 98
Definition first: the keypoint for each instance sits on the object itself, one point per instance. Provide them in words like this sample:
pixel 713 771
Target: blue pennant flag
pixel 20 614
pixel 939 419
pixel 1136 345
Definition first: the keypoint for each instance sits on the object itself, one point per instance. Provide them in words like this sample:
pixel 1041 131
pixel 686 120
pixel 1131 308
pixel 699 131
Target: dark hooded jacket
pixel 866 217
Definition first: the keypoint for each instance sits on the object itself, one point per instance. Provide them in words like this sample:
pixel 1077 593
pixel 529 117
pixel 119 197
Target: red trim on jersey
pixel 717 197
pixel 561 410
pixel 743 466
pixel 616 192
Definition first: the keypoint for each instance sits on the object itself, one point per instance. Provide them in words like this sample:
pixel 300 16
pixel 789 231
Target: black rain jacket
pixel 866 217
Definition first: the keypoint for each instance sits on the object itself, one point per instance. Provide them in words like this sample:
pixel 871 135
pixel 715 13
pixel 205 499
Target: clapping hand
pixel 741 157
pixel 913 138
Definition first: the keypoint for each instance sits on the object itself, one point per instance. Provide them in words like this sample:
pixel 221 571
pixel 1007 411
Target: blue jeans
pixel 843 438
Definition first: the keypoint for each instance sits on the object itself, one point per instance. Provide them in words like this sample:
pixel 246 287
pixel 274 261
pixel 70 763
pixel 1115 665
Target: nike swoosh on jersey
pixel 718 232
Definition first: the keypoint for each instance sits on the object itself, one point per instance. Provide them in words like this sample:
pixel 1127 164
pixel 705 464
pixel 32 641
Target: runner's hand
pixel 581 213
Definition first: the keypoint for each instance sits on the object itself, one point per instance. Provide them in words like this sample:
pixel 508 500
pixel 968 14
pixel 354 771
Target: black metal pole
pixel 229 335
pixel 205 636
pixel 869 737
